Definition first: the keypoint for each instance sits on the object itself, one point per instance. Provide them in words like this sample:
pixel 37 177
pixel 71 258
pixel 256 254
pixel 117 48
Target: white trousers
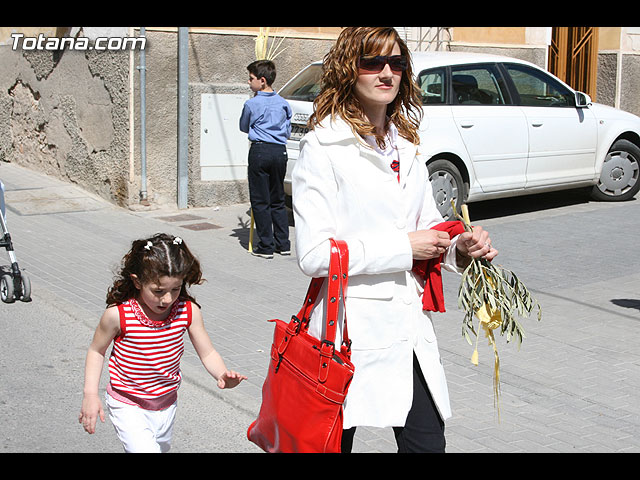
pixel 140 430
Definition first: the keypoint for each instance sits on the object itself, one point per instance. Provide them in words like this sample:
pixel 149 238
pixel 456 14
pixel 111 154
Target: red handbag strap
pixel 336 292
pixel 337 289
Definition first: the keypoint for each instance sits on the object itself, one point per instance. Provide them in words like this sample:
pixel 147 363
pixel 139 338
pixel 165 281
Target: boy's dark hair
pixel 152 258
pixel 263 68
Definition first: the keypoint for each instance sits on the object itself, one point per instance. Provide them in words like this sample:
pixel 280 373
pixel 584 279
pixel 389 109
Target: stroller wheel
pixel 6 289
pixel 26 287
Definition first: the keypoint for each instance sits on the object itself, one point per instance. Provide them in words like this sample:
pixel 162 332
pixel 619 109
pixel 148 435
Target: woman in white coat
pixel 347 185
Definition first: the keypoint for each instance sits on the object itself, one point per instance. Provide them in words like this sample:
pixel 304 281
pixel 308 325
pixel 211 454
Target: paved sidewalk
pixel 572 387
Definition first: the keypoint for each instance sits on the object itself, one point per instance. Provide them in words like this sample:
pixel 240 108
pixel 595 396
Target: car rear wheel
pixel 447 184
pixel 619 177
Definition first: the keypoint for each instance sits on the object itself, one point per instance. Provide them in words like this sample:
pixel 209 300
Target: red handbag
pixel 308 378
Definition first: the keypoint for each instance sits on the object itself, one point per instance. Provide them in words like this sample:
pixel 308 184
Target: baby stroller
pixel 14 284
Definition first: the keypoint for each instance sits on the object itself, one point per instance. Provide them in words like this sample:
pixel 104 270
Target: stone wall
pixel 67 114
pixel 630 83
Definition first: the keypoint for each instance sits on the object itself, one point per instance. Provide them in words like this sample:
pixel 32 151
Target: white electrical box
pixel 223 147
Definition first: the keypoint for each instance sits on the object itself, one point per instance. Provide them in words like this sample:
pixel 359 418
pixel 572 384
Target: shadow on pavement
pixel 505 207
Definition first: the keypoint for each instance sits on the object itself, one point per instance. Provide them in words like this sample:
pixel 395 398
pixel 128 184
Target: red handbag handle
pixel 338 279
pixel 337 284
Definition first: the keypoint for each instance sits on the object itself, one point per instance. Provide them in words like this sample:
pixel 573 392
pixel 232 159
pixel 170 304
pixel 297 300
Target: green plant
pixel 496 297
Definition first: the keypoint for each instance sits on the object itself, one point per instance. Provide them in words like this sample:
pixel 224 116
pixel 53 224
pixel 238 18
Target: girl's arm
pixel 107 330
pixel 208 355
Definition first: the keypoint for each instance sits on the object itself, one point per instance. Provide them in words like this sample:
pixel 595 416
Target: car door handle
pixel 537 124
pixel 466 124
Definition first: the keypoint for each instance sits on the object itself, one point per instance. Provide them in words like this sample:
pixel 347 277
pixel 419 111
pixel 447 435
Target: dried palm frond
pixel 263 51
pixel 496 297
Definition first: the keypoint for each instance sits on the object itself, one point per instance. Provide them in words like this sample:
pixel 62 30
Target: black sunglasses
pixel 377 63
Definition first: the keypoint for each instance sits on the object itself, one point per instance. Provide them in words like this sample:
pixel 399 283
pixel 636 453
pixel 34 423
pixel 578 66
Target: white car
pixel 497 127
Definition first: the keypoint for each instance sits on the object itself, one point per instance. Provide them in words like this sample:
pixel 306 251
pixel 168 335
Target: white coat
pixel 345 190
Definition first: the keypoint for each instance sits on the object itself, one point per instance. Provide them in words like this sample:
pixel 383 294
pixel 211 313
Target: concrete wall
pixel 619 80
pixel 66 114
pixel 630 83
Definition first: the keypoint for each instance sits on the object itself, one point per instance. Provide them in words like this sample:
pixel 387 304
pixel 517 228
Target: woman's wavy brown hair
pixel 164 257
pixel 340 73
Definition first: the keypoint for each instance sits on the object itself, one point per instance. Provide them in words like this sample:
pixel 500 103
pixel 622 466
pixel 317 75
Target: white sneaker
pixel 262 255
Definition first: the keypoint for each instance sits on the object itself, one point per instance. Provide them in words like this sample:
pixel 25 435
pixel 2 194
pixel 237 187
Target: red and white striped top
pixel 145 360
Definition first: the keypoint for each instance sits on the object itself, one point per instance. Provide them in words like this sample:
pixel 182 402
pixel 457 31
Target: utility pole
pixel 183 115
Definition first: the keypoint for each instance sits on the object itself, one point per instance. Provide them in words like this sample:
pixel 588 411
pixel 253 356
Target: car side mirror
pixel 582 100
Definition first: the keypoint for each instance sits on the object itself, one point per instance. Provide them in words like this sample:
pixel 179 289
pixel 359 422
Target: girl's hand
pixel 91 410
pixel 476 244
pixel 230 379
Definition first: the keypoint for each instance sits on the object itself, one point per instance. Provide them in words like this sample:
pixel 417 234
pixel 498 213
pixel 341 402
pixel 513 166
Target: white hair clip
pixel 177 241
pixel 148 245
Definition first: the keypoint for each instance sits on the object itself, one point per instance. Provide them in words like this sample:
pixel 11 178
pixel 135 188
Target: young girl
pixel 149 309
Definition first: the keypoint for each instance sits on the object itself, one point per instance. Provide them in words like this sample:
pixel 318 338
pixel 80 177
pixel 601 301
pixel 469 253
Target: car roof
pixel 422 60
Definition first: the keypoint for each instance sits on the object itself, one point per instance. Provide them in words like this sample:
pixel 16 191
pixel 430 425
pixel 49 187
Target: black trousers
pixel 267 167
pixel 423 431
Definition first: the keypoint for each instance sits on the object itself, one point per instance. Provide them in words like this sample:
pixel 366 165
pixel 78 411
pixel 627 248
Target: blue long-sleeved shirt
pixel 266 118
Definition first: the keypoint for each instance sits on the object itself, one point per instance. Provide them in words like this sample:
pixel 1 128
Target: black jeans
pixel 267 166
pixel 423 431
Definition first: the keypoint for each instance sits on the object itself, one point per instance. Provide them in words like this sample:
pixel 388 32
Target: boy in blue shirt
pixel 266 117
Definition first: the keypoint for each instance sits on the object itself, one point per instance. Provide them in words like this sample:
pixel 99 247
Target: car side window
pixel 537 89
pixel 477 85
pixel 432 87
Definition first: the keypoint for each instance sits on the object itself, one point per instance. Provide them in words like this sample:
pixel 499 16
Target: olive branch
pixel 497 297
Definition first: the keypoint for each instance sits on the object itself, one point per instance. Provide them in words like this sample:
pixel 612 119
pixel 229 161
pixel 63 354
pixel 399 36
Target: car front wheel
pixel 447 184
pixel 619 177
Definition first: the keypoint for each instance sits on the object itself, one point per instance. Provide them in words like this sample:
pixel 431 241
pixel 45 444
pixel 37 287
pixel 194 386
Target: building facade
pixel 107 119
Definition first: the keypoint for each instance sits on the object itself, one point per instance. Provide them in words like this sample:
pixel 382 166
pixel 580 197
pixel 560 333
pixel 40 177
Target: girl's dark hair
pixel 152 258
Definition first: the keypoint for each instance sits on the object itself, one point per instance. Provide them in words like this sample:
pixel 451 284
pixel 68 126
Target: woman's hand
pixel 427 244
pixel 476 244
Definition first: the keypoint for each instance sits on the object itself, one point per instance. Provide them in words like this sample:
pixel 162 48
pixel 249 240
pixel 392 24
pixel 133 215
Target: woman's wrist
pixel 462 260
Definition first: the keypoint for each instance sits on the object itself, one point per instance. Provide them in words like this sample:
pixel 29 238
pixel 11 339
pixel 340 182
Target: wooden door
pixel 573 57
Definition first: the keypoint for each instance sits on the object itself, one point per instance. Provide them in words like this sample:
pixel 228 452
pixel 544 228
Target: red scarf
pixel 433 296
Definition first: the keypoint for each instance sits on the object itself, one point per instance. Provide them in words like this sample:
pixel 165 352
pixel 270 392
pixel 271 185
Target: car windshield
pixel 304 87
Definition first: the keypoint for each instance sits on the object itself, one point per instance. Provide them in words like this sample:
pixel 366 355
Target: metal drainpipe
pixel 143 123
pixel 183 112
